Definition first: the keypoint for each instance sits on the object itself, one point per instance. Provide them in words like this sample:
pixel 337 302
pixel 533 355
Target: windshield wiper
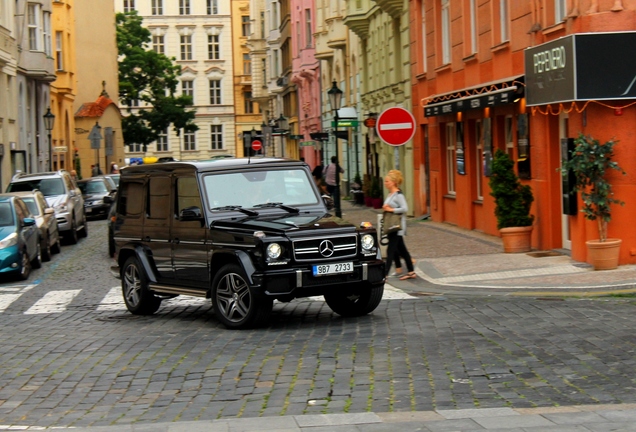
pixel 279 205
pixel 237 208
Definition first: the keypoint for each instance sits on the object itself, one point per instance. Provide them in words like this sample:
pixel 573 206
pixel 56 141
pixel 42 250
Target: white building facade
pixel 198 34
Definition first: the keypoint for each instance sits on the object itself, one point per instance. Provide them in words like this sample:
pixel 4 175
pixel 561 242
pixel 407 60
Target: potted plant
pixel 376 193
pixel 512 204
pixel 589 162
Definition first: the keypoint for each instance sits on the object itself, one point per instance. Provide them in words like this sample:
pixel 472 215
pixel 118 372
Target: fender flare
pixel 241 258
pixel 139 252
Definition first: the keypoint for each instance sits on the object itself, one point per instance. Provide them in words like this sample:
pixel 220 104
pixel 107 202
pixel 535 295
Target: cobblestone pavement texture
pixel 433 357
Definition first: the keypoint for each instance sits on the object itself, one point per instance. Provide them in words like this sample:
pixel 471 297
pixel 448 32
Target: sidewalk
pixel 456 260
pixel 584 418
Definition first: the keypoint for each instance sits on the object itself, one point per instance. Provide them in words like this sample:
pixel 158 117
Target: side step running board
pixel 177 290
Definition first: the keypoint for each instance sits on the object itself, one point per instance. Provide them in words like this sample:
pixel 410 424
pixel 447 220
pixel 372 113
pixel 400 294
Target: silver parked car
pixel 62 193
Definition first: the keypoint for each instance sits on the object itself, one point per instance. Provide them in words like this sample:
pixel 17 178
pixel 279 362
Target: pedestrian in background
pixel 330 174
pixel 114 169
pixel 395 202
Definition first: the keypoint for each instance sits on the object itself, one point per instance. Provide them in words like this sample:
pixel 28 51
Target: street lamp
pixel 49 121
pixel 282 128
pixel 335 99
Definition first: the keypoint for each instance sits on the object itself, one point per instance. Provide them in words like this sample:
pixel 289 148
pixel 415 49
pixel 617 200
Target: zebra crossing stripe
pixel 53 302
pixel 113 301
pixel 6 300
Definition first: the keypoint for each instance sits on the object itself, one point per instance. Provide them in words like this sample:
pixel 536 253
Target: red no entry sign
pixel 396 126
pixel 256 145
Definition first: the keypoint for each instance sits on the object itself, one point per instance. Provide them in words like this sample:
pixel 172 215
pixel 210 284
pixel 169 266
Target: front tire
pixel 37 261
pixel 72 234
pixel 357 303
pixel 84 231
pixel 236 303
pixel 25 268
pixel 134 284
pixel 46 249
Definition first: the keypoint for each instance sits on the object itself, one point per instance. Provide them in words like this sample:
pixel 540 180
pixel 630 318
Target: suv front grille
pixel 335 247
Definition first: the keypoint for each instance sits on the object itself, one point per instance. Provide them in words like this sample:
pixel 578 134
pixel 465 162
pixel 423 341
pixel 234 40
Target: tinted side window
pixel 159 197
pixel 187 194
pixel 131 202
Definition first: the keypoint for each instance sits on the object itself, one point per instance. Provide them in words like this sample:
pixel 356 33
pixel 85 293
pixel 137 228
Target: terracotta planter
pixel 603 255
pixel 377 203
pixel 516 239
pixel 368 202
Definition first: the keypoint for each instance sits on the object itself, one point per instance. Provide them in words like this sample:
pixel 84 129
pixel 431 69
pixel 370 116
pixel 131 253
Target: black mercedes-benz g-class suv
pixel 242 232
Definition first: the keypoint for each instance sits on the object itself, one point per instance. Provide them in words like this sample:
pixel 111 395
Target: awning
pixel 489 94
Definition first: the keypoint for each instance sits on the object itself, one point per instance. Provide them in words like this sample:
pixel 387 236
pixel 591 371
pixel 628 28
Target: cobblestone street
pixel 90 366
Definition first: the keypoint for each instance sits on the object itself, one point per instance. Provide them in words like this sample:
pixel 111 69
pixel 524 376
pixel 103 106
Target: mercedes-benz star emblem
pixel 326 248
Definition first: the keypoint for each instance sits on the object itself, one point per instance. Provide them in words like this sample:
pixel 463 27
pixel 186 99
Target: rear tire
pixel 236 303
pixel 355 304
pixel 134 284
pixel 72 234
pixel 46 249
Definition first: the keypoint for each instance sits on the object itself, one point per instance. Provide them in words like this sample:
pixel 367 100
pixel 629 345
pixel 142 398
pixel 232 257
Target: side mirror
pixel 108 199
pixel 190 214
pixel 29 221
pixel 72 193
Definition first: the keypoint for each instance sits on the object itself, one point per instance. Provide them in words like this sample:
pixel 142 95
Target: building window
pixel 157 7
pixel 510 145
pixel 59 53
pixel 129 5
pixel 275 63
pixel 479 158
pixel 503 21
pixel 249 105
pixel 158 44
pixel 184 7
pixel 473 26
pixel 215 92
pixel 559 10
pixel 214 47
pixel 189 141
pixel 446 37
pixel 247 64
pixel 35 27
pixel 213 7
pixel 162 141
pixel 186 47
pixel 187 88
pixel 216 137
pixel 308 30
pixel 450 158
pixel 245 25
pixel 135 148
pixel 262 25
pixel 47 33
pixel 423 39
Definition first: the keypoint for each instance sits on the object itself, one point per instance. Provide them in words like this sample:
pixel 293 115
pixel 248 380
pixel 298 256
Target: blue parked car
pixel 20 248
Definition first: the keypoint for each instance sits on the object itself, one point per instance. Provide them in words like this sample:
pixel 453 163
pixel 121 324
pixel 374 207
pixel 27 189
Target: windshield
pixel 291 187
pixel 6 214
pixel 33 207
pixel 48 187
pixel 93 187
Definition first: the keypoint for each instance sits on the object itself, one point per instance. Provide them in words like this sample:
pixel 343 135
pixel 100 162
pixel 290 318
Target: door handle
pixel 147 238
pixel 175 241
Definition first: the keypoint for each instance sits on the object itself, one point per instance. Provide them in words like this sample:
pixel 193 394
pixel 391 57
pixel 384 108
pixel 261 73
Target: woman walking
pixel 396 203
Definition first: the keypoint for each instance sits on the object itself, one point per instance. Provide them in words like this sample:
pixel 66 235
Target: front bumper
pixel 300 282
pixel 96 210
pixel 10 259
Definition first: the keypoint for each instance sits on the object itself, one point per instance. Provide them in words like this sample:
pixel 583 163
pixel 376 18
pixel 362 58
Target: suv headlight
pixel 274 250
pixel 367 242
pixel 10 240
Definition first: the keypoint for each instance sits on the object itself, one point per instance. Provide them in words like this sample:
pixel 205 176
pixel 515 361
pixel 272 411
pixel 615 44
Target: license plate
pixel 331 269
pixel 88 209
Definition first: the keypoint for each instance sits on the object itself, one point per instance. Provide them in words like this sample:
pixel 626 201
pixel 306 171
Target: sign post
pixel 396 126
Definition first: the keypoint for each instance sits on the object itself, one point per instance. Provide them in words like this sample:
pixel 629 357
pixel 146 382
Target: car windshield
pixel 290 187
pixel 93 187
pixel 48 187
pixel 31 204
pixel 6 214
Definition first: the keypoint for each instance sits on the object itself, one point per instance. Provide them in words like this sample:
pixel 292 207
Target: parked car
pixel 243 233
pixel 45 220
pixel 94 190
pixel 19 238
pixel 62 193
pixel 114 178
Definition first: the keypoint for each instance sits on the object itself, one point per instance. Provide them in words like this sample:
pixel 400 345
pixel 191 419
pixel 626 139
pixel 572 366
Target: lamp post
pixel 49 121
pixel 335 99
pixel 282 128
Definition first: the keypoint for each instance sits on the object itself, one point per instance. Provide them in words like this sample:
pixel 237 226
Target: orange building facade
pixel 474 93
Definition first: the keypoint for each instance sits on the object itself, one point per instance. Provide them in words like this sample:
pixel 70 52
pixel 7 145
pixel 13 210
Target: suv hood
pixel 287 223
pixel 55 200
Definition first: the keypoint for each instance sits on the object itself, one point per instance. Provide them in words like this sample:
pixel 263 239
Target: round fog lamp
pixel 273 250
pixel 367 241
